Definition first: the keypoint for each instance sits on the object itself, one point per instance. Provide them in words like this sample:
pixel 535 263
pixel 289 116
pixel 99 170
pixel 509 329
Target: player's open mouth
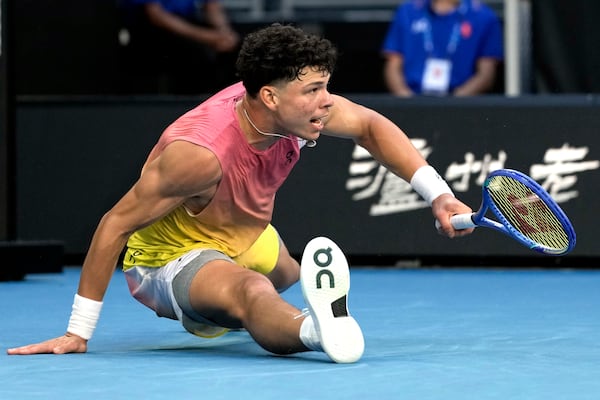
pixel 317 123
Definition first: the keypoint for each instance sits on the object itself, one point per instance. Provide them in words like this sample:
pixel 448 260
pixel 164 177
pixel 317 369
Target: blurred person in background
pixel 178 46
pixel 442 47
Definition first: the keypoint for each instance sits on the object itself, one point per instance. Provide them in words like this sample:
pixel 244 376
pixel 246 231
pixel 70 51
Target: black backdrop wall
pixel 566 38
pixel 7 100
pixel 65 47
pixel 76 158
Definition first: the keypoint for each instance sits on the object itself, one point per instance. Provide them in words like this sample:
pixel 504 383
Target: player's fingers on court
pixel 30 349
pixel 60 345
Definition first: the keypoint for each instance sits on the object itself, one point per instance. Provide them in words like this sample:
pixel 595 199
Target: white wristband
pixel 84 316
pixel 429 184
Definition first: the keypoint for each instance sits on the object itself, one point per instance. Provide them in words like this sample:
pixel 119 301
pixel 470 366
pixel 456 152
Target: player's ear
pixel 268 95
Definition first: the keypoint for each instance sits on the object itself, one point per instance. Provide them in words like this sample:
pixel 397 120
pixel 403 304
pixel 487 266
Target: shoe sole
pixel 325 281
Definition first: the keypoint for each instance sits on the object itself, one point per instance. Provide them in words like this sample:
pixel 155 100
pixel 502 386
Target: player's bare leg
pixel 235 297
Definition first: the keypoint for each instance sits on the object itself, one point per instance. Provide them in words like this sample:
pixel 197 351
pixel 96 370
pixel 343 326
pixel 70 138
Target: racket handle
pixel 460 221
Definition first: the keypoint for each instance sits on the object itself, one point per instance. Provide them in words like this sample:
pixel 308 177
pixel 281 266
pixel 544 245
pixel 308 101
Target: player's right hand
pixel 67 343
pixel 443 207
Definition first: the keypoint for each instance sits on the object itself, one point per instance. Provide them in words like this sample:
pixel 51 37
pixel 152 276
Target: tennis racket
pixel 525 212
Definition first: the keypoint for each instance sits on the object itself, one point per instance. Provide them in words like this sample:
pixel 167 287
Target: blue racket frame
pixel 507 228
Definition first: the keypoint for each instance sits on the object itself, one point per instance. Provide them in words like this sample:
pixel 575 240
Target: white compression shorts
pixel 166 290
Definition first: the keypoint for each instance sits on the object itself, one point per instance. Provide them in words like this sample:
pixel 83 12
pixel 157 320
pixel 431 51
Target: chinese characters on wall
pixel 557 173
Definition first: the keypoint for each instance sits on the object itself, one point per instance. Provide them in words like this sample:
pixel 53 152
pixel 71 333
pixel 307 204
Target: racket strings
pixel 527 213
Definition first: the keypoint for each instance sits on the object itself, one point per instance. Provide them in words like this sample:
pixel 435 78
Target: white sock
pixel 308 334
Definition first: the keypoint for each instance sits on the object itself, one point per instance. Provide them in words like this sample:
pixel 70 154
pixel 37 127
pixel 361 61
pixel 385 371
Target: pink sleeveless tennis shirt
pixel 242 206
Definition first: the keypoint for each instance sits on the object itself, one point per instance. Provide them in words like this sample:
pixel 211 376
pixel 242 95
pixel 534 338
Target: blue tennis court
pixel 430 334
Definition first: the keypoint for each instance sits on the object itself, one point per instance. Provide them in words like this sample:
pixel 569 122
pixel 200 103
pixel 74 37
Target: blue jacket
pixel 463 36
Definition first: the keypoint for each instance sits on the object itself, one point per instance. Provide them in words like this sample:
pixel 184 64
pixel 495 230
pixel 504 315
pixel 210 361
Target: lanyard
pixel 454 36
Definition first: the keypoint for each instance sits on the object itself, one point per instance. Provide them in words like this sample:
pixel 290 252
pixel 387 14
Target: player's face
pixel 303 104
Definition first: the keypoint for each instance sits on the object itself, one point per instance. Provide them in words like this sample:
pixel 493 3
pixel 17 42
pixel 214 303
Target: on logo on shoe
pixel 317 258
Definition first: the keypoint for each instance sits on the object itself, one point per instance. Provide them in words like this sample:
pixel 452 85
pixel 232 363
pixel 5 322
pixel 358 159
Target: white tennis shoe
pixel 325 281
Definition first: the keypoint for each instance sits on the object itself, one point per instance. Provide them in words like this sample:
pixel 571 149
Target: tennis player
pixel 200 247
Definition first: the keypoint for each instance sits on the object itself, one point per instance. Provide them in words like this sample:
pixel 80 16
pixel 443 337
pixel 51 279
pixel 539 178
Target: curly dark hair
pixel 279 53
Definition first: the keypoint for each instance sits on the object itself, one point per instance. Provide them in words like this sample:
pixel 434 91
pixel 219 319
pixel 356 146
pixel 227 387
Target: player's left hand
pixel 61 345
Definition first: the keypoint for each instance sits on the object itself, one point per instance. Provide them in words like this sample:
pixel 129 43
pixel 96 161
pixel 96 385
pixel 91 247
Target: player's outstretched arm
pixel 389 145
pixel 61 345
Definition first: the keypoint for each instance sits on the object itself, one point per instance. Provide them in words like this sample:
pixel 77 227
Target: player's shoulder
pixel 186 154
pixel 184 149
pixel 196 162
pixel 347 118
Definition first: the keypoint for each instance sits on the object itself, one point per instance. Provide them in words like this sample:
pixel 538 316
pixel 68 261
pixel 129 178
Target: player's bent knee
pixel 249 292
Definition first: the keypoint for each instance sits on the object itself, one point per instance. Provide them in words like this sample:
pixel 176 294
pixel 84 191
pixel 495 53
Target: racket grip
pixel 460 221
